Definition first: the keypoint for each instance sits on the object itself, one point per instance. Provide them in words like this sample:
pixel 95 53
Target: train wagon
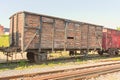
pixel 37 34
pixel 111 41
pixel 1 30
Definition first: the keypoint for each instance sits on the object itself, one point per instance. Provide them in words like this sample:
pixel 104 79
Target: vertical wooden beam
pixel 106 39
pixel 40 34
pixel 17 30
pixel 80 34
pixel 88 38
pixel 74 35
pixel 53 35
pixel 22 35
pixel 96 38
pixel 87 41
pixel 12 44
pixel 65 38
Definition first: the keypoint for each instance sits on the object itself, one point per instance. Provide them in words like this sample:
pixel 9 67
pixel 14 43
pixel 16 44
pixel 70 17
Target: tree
pixel 118 28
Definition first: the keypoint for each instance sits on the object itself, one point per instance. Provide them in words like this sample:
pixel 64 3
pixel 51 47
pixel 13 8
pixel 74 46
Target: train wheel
pixel 71 53
pixel 30 56
pixel 100 52
pixel 110 52
pixel 116 52
pixel 113 52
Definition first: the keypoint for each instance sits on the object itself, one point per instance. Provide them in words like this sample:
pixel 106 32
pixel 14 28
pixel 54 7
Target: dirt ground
pixel 16 57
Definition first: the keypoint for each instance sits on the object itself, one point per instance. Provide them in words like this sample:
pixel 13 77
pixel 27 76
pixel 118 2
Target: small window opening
pixel 70 37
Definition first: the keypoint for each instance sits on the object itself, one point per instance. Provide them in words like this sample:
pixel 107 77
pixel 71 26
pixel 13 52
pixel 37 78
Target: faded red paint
pixel 1 30
pixel 111 38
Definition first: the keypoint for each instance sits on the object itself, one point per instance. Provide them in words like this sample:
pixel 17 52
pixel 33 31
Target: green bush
pixel 22 63
pixel 4 40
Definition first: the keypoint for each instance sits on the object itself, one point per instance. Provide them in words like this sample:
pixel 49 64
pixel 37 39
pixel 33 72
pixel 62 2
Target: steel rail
pixel 96 74
pixel 80 73
pixel 55 72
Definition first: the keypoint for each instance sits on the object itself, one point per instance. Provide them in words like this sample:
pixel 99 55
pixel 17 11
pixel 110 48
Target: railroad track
pixel 65 74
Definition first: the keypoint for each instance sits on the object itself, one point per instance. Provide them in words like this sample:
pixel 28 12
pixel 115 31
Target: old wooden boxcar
pixel 111 40
pixel 33 32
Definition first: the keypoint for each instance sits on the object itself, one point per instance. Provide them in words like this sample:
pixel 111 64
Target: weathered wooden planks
pixel 56 33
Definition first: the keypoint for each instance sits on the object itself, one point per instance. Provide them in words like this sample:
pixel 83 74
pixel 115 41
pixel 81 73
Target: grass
pixel 22 63
pixel 59 54
pixel 25 65
pixel 4 40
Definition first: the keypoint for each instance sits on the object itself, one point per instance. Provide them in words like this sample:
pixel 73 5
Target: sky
pixel 100 12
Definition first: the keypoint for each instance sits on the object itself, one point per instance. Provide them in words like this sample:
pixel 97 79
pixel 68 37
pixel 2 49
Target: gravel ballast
pixel 111 76
pixel 46 69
